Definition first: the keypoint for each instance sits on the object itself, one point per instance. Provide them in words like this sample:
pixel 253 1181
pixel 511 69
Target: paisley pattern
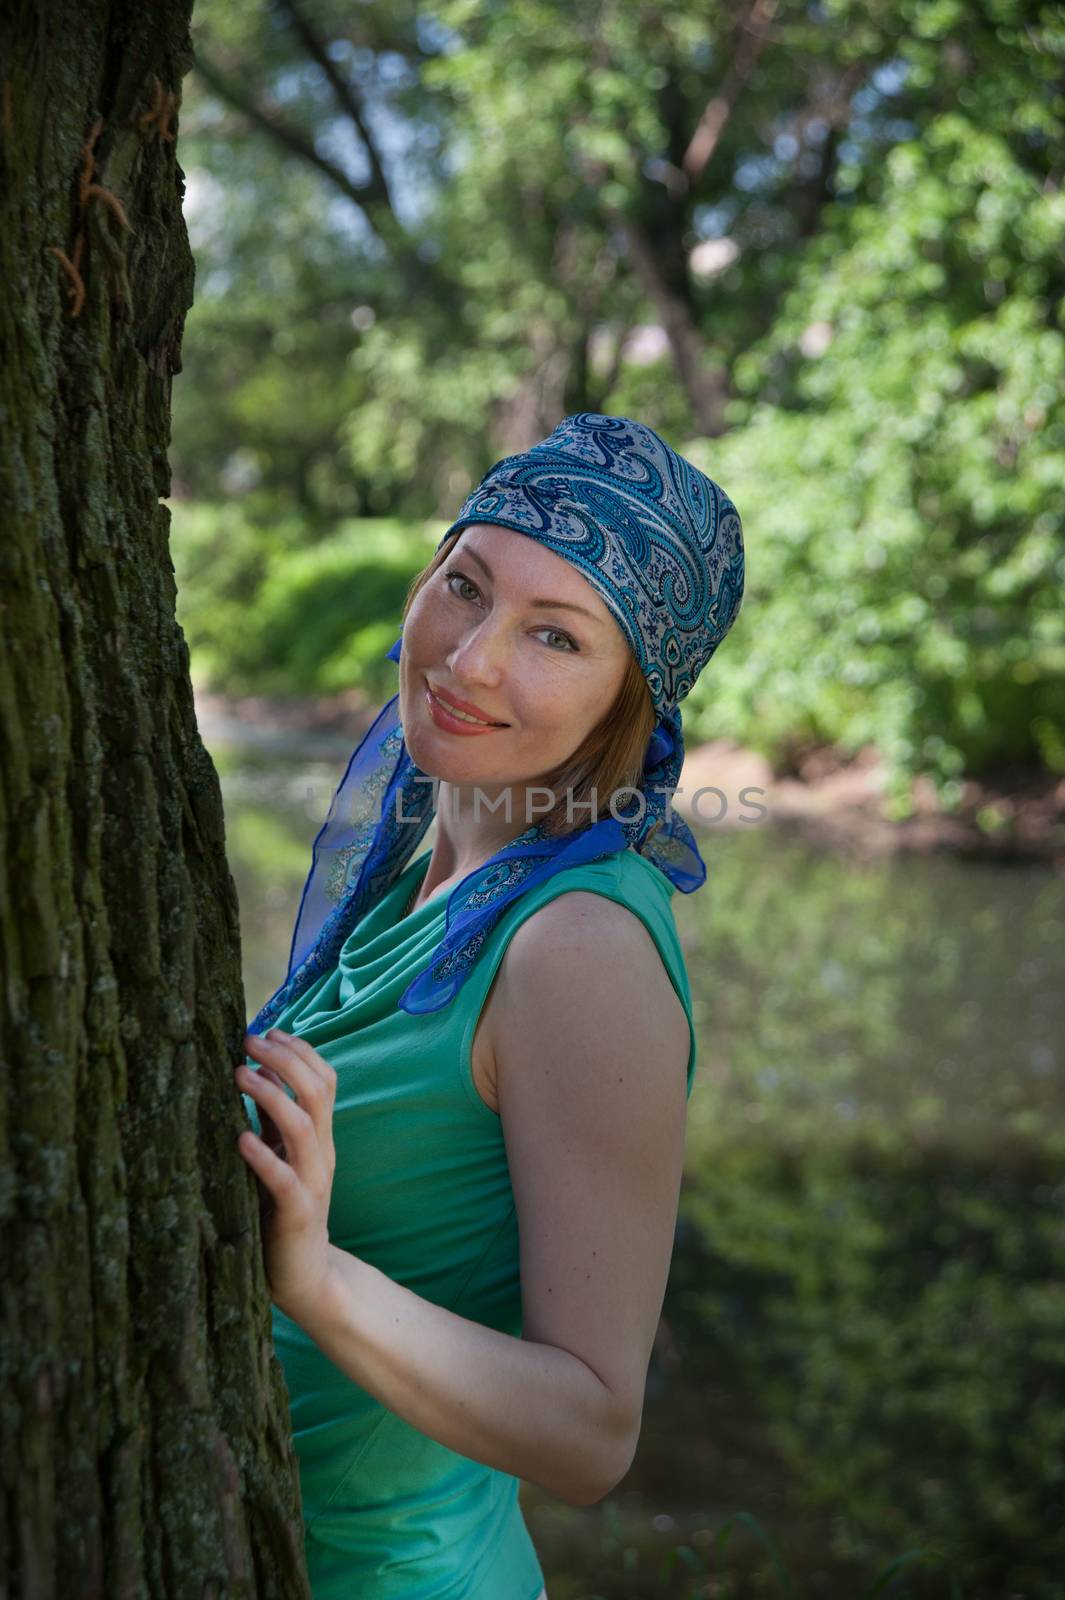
pixel 662 545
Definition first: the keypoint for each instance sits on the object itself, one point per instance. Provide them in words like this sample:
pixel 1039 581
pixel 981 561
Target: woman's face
pixel 480 630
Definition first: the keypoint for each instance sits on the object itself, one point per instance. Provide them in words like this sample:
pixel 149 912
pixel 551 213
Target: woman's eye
pixel 563 636
pixel 556 633
pixel 462 579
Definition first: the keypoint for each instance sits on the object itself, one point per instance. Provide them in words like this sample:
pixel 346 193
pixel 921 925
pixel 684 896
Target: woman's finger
pixel 294 1123
pixel 309 1086
pixel 306 1053
pixel 268 1128
pixel 275 1174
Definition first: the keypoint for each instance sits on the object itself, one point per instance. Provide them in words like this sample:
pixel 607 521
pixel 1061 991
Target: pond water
pixel 862 1351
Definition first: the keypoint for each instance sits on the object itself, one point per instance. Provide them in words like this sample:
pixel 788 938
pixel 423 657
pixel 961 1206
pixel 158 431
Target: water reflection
pixel 864 1334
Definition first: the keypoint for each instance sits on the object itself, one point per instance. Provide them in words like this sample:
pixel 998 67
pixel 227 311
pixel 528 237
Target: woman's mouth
pixel 454 721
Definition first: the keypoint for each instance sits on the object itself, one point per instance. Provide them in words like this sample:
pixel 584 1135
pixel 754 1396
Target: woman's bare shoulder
pixel 579 951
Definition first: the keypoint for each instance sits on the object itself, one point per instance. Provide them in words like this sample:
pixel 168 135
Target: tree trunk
pixel 147 1447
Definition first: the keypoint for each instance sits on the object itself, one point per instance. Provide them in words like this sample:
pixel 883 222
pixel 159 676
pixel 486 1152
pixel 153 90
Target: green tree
pixel 835 232
pixel 558 166
pixel 899 440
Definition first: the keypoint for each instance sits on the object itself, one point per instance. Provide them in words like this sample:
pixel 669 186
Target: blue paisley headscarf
pixel 662 545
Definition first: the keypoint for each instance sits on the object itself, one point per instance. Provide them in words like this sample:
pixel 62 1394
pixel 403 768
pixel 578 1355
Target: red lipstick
pixel 439 702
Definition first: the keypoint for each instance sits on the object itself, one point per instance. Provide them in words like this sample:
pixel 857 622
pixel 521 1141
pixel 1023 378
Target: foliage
pixel 264 613
pixel 389 302
pixel 907 486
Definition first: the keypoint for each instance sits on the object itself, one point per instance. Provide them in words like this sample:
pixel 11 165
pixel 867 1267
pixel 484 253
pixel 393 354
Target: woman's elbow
pixel 608 1476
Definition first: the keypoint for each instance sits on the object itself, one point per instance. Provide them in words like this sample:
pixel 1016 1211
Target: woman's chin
pixel 434 753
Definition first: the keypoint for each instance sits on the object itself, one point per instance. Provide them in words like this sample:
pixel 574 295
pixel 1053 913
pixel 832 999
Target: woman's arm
pixel 529 1409
pixel 591 1047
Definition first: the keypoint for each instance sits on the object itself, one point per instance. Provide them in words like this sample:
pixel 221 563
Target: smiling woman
pixel 472 1215
pixel 609 757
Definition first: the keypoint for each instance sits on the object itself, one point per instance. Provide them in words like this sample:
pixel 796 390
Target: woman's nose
pixel 478 656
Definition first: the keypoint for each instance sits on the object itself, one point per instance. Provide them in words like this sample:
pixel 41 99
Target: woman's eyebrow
pixel 560 605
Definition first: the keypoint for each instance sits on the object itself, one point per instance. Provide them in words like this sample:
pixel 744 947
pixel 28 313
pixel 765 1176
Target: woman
pixel 469 1123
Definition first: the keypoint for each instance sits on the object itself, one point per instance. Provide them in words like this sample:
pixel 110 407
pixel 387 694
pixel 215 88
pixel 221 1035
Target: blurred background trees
pixel 818 246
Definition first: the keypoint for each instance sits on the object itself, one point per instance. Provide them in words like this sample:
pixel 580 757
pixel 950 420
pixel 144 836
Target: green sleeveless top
pixel 422 1190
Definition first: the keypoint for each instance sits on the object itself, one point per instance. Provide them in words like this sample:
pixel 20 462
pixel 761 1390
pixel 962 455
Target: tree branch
pixel 422 280
pixel 707 392
pixel 294 140
pixel 346 96
pixel 752 34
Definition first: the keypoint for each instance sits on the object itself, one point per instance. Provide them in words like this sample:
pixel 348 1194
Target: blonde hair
pixel 609 758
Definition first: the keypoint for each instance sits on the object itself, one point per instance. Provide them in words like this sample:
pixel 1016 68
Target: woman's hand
pixel 294 1162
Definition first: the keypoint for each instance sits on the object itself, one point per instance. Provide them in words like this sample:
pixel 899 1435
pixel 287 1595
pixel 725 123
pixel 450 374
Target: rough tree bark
pixel 147 1447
